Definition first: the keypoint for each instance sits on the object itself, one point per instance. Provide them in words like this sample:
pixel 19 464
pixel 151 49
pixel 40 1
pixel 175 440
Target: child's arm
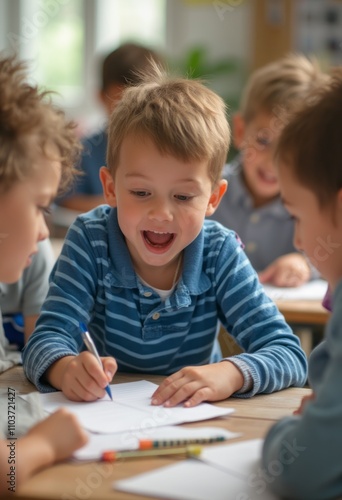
pixel 195 384
pixel 50 441
pixel 49 356
pixel 81 378
pixel 272 359
pixel 288 270
pixel 308 446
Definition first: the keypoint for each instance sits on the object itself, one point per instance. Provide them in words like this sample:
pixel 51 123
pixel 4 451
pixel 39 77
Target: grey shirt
pixel 24 413
pixel 8 356
pixel 266 232
pixel 28 294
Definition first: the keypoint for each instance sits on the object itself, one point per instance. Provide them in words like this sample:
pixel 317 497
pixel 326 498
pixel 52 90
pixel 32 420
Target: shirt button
pixel 147 294
pixel 156 316
pixel 251 247
pixel 254 218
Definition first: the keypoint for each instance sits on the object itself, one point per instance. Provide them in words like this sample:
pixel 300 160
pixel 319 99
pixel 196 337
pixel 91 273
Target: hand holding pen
pixel 82 377
pixel 92 348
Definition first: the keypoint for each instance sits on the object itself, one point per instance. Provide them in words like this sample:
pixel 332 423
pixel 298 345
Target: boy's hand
pixel 289 270
pixel 195 384
pixel 57 436
pixel 304 402
pixel 81 378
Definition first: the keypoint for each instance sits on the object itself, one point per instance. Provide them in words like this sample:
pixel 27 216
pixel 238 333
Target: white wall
pixel 221 26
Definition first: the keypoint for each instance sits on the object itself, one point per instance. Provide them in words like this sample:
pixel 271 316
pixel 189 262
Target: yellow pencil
pixel 189 451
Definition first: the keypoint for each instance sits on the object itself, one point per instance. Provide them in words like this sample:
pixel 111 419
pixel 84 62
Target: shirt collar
pixel 122 271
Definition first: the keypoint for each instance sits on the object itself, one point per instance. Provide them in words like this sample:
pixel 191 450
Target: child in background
pixel 252 207
pixel 37 149
pixel 150 277
pixel 307 447
pixel 120 68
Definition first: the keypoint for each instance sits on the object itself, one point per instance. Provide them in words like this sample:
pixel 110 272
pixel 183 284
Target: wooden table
pixel 303 312
pixel 68 481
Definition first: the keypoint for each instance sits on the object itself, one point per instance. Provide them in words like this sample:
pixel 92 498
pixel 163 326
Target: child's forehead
pixel 146 158
pixel 262 118
pixel 266 123
pixel 142 145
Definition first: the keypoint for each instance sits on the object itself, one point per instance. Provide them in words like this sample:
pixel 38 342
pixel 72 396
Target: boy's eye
pixel 183 197
pixel 140 194
pixel 46 210
pixel 263 141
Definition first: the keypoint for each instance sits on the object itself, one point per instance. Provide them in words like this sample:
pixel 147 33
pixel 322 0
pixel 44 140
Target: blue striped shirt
pixel 94 282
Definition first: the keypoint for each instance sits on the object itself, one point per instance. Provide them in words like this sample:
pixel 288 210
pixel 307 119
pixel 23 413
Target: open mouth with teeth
pixel 158 240
pixel 268 178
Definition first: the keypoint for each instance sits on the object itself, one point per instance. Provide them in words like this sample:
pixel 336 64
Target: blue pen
pixel 92 348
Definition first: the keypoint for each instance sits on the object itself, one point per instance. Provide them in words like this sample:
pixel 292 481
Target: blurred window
pixel 133 20
pixel 60 62
pixel 61 38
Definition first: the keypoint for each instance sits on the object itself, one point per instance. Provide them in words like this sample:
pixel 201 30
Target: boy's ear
pixel 216 197
pixel 108 186
pixel 239 127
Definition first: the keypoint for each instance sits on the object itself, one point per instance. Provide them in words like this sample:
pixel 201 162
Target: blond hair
pixel 30 126
pixel 310 144
pixel 182 117
pixel 280 86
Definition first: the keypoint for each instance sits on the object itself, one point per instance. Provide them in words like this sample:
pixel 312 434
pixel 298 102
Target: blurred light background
pixel 219 40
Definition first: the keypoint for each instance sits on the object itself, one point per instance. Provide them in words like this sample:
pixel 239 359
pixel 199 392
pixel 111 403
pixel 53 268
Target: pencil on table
pixel 148 444
pixel 189 451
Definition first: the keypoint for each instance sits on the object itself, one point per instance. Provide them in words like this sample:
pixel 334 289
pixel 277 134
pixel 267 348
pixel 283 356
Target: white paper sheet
pixel 313 290
pixel 98 443
pixel 238 458
pixel 195 480
pixel 130 410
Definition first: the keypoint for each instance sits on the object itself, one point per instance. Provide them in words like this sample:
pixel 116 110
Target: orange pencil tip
pixel 145 444
pixel 108 456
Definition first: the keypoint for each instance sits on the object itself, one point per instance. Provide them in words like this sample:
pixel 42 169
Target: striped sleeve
pixel 273 356
pixel 70 300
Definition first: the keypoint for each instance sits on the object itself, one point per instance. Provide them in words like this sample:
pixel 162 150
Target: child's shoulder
pixel 94 138
pixel 95 222
pixel 215 234
pixel 99 214
pixel 92 233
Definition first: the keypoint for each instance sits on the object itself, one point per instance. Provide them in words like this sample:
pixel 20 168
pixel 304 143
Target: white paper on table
pixel 313 290
pixel 98 443
pixel 130 410
pixel 238 458
pixel 193 479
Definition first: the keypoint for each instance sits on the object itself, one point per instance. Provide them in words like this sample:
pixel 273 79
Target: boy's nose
pixel 44 230
pixel 160 210
pixel 269 160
